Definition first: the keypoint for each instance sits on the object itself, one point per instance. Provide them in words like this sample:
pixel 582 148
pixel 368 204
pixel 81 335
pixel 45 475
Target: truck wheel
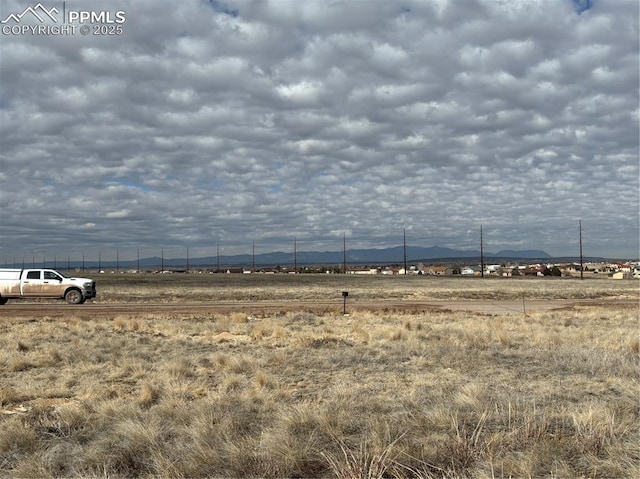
pixel 3 300
pixel 74 296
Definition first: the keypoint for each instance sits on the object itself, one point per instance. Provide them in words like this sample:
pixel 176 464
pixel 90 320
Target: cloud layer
pixel 231 122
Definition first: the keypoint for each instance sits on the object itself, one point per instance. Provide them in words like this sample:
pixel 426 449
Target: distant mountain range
pixel 393 255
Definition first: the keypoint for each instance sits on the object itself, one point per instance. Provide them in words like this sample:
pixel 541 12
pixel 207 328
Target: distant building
pixel 435 270
pixel 364 271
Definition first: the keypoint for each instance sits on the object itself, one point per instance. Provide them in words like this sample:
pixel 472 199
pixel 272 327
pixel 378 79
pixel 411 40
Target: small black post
pixel 344 302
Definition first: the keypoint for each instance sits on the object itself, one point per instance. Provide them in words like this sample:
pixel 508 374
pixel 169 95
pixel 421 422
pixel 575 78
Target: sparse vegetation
pixel 172 288
pixel 297 394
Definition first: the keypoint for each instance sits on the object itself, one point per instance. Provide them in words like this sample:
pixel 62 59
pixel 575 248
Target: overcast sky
pixel 224 123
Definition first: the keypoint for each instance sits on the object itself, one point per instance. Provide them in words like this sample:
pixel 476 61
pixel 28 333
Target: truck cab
pixel 43 283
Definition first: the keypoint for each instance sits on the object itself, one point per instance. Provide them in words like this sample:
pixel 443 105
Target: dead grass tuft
pixel 18 364
pixel 239 318
pixel 362 462
pixel 181 368
pixel 9 395
pixel 55 356
pixel 149 395
pixel 264 380
pixel 232 383
pixel 222 360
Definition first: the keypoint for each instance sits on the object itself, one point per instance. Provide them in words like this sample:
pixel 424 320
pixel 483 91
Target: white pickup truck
pixel 44 283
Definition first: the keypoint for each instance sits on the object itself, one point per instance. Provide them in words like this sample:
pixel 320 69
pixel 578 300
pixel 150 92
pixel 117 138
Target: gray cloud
pixel 226 122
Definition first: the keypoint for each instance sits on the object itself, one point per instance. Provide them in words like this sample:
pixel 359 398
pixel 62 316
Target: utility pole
pixel 295 255
pixel 138 265
pixel 253 257
pixel 218 258
pixel 162 260
pixel 187 259
pixel 481 255
pixel 344 253
pixel 404 242
pixel 581 259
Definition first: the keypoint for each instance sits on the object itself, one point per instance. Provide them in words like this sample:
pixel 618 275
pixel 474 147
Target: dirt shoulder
pixel 24 309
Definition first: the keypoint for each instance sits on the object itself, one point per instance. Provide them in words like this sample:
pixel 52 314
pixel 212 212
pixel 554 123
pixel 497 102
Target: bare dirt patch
pixel 101 310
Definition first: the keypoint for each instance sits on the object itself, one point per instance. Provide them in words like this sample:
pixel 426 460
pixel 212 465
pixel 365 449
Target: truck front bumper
pixel 90 290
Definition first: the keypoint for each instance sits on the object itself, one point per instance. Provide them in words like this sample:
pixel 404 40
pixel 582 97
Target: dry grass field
pixel 245 287
pixel 431 394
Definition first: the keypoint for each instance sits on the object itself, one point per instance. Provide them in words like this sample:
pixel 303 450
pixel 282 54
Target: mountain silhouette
pixel 393 255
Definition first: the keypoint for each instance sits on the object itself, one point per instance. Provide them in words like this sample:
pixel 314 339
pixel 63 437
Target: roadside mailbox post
pixel 344 302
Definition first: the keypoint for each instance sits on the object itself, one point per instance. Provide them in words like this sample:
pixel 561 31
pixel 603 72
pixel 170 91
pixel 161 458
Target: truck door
pixel 32 283
pixel 53 284
pixel 42 284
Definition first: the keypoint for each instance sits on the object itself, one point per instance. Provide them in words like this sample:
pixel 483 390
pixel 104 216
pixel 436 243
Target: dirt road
pixel 55 309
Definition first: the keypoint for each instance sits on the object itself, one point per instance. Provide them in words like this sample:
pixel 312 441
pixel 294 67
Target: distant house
pixel 390 271
pixel 436 270
pixel 533 271
pixel 364 271
pixel 493 269
pixel 267 271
